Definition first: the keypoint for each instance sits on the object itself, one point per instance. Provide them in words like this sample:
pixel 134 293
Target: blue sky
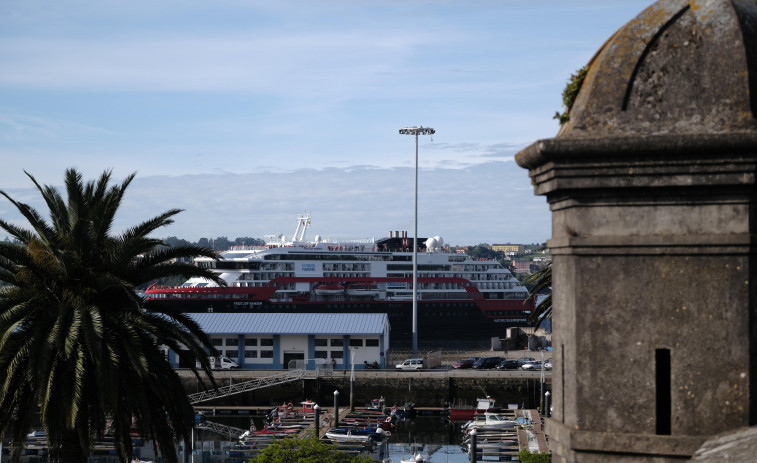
pixel 246 113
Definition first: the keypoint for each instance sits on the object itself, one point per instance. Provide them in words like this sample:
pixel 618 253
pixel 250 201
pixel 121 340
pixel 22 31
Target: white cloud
pixel 467 206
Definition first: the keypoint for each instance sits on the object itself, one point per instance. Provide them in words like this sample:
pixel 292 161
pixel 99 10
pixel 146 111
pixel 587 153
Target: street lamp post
pixel 418 130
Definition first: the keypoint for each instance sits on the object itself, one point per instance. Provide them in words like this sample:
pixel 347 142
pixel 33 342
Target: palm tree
pixel 542 281
pixel 80 351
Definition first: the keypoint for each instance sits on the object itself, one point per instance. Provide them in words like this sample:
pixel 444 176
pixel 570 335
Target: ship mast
pixel 303 223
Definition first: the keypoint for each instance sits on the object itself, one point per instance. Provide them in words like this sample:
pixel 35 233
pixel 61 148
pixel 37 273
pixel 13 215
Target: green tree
pixel 527 457
pixel 307 449
pixel 80 352
pixel 482 251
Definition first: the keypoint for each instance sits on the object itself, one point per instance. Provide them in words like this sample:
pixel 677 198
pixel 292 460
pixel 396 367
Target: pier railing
pixel 222 429
pixel 257 383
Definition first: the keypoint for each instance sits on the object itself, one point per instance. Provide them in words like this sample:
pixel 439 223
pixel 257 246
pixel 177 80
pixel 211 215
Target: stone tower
pixel 651 185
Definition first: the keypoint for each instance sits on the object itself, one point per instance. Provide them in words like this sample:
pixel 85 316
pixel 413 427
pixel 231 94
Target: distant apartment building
pixel 517 249
pixel 522 266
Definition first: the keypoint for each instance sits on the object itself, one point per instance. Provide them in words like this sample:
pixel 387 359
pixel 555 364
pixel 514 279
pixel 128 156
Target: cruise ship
pixel 457 295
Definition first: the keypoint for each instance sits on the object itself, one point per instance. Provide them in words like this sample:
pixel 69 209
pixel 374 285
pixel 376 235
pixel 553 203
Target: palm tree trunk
pixel 69 450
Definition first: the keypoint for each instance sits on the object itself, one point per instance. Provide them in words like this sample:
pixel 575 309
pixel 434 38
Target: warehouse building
pixel 296 340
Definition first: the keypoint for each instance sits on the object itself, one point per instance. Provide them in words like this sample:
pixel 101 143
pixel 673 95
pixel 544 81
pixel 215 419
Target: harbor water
pixel 431 436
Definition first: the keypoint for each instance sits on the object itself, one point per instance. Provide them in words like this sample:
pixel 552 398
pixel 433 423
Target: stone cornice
pixel 660 161
pixel 622 148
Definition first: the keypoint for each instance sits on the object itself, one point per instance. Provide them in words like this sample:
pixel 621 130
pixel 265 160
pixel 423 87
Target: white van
pixel 412 364
pixel 223 363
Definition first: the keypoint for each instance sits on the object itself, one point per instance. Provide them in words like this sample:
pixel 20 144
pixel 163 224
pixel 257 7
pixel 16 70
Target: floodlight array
pixel 417 131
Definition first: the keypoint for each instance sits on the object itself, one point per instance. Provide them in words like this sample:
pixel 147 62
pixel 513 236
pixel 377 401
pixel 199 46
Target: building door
pixel 289 356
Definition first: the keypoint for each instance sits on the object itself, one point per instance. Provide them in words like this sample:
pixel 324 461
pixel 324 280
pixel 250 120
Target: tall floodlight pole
pixel 418 130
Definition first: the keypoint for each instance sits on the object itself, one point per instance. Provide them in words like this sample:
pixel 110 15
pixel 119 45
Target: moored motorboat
pixel 468 412
pixel 355 435
pixel 490 421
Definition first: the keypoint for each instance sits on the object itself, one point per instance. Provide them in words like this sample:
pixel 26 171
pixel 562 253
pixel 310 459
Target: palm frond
pixel 542 281
pixel 76 341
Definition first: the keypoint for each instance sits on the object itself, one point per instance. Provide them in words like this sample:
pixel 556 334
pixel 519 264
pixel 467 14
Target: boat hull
pixel 461 318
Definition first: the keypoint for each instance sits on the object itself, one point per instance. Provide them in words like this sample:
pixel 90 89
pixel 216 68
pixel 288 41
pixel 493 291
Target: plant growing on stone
pixel 570 93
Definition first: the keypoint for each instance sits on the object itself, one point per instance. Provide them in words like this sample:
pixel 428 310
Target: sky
pixel 247 113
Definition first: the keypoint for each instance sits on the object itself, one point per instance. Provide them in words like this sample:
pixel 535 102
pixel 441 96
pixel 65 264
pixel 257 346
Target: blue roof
pixel 291 323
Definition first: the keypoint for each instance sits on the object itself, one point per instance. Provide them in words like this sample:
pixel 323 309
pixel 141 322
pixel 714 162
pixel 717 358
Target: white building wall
pixel 293 344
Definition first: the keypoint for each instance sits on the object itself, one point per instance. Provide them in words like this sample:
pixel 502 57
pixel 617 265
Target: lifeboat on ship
pixel 329 289
pixel 362 290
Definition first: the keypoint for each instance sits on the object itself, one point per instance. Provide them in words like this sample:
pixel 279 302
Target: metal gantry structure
pixel 258 383
pixel 222 429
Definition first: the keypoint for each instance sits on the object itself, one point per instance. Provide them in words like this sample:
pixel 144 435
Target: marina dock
pixel 492 445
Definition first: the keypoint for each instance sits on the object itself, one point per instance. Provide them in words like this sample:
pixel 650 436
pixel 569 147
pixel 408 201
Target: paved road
pixel 445 370
pixel 386 373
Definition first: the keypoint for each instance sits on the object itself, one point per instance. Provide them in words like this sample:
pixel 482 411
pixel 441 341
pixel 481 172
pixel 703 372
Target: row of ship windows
pixel 348 306
pixel 347 267
pixel 337 256
pixel 267 276
pixel 248 283
pixel 289 266
pixel 285 265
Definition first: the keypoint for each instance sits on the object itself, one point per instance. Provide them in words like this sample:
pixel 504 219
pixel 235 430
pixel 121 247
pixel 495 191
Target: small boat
pixel 275 430
pixel 362 289
pixel 354 435
pixel 417 458
pixel 467 412
pixel 329 289
pixel 491 422
pixel 407 412
pixel 483 446
pixel 308 407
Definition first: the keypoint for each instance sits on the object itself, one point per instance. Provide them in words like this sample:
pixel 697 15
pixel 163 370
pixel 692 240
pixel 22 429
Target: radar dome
pixel 317 238
pixel 431 244
pixel 439 240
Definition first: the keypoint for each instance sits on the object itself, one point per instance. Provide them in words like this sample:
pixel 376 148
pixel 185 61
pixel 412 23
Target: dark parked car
pixel 524 360
pixel 465 363
pixel 507 365
pixel 485 363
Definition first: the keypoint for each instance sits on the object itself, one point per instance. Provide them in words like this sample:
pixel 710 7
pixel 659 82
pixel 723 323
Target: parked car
pixel 523 360
pixel 535 365
pixel 485 363
pixel 411 364
pixel 465 363
pixel 220 363
pixel 508 365
pixel 548 364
